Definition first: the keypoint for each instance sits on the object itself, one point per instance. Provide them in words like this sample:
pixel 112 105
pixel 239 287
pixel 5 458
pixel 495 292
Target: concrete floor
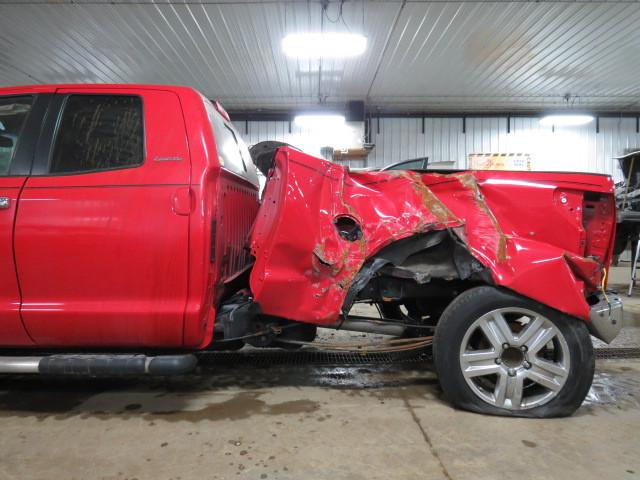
pixel 310 422
pixel 359 422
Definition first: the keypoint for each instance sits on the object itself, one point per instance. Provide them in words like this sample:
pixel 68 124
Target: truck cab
pixel 109 196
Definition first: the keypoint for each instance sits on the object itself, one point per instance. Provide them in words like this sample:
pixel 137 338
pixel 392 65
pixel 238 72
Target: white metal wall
pixel 568 148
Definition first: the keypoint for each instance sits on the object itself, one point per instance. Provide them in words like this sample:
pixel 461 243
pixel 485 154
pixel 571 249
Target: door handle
pixel 5 202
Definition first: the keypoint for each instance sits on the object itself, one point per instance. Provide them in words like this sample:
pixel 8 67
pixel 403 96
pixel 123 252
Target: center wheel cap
pixel 512 357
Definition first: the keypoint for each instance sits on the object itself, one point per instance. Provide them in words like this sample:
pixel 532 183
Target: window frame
pixel 249 166
pixel 16 156
pixel 235 139
pixel 56 131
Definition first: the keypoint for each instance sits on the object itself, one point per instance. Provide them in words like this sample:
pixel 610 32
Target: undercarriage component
pixel 422 273
pixel 240 321
pixel 371 325
pixel 384 346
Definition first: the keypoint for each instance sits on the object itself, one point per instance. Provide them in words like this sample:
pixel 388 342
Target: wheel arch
pixel 535 270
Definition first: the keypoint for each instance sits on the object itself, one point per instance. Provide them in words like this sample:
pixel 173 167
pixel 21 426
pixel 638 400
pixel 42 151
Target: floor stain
pixel 240 406
pixel 614 387
pixel 242 389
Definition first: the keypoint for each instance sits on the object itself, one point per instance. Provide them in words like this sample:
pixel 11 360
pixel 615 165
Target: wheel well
pixel 424 272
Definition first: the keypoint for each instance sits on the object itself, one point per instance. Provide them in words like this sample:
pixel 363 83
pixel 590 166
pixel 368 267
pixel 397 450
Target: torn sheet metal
pixel 527 228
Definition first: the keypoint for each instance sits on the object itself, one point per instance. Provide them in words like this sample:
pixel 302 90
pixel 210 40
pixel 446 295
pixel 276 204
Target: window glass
pixel 410 165
pixel 233 153
pixel 99 132
pixel 13 113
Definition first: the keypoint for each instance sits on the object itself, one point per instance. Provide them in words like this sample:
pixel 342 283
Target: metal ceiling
pixel 439 56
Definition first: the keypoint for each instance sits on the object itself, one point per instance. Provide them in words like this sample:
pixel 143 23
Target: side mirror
pixel 6 142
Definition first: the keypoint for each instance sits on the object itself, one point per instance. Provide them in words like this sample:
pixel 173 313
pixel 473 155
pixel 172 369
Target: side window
pixel 99 132
pixel 13 113
pixel 232 151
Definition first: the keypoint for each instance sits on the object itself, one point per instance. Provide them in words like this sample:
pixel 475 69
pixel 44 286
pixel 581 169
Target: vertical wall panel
pixel 564 149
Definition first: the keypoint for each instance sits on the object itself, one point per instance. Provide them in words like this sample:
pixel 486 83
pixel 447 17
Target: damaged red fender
pixel 546 236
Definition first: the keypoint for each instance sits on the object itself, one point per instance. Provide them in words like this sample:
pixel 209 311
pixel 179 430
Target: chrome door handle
pixel 5 202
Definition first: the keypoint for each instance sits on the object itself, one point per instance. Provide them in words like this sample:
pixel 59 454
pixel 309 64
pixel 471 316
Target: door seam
pixel 15 260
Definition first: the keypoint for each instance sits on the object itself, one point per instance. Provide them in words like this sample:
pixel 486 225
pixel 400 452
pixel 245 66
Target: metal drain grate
pixel 315 357
pixel 613 353
pixel 309 357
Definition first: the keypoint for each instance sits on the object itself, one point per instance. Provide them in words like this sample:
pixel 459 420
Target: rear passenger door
pixel 101 238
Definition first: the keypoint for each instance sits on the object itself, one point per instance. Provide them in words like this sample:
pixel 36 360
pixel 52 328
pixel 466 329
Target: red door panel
pixel 12 332
pixel 103 257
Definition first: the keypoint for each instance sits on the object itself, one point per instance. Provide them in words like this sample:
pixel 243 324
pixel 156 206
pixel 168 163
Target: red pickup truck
pixel 132 234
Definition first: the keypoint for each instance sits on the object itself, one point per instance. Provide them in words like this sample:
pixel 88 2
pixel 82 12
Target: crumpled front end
pixel 546 236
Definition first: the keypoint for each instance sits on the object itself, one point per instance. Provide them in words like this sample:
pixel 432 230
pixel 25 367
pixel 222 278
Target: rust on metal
pixel 469 181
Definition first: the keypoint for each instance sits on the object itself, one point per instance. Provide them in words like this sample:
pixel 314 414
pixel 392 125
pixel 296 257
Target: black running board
pixel 100 365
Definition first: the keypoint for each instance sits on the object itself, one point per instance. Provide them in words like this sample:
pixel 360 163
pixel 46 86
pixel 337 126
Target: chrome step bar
pixel 98 365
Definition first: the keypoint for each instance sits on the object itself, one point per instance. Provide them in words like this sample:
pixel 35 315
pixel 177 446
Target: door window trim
pixel 47 148
pixel 23 156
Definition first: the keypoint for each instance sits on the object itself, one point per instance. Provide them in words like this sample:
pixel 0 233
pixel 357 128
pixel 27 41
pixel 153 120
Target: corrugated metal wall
pixel 396 139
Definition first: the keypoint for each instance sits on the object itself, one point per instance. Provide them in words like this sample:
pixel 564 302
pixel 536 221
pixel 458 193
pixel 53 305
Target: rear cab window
pixel 99 133
pixel 13 115
pixel 233 153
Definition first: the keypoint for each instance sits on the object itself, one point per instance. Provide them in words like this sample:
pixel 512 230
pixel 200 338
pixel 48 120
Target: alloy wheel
pixel 514 358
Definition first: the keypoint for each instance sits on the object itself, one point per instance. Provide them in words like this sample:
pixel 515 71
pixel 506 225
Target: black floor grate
pixel 315 357
pixel 613 353
pixel 309 357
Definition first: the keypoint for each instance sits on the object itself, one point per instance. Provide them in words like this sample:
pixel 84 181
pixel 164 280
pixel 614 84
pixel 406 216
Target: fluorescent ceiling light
pixel 565 120
pixel 319 121
pixel 326 45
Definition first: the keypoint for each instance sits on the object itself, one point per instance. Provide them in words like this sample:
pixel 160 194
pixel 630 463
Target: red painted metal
pixel 220 109
pixel 103 257
pixel 12 332
pixel 529 229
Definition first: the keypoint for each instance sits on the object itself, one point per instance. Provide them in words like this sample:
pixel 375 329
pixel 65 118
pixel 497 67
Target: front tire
pixel 502 354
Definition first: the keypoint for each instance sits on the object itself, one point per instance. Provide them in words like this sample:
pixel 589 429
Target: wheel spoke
pixel 479 356
pixel 494 333
pixel 508 391
pixel 555 369
pixel 500 392
pixel 503 327
pixel 477 363
pixel 516 390
pixel 543 337
pixel 544 378
pixel 531 330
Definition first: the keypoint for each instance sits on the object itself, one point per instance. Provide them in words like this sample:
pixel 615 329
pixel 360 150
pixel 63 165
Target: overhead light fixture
pixel 564 120
pixel 319 120
pixel 324 45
